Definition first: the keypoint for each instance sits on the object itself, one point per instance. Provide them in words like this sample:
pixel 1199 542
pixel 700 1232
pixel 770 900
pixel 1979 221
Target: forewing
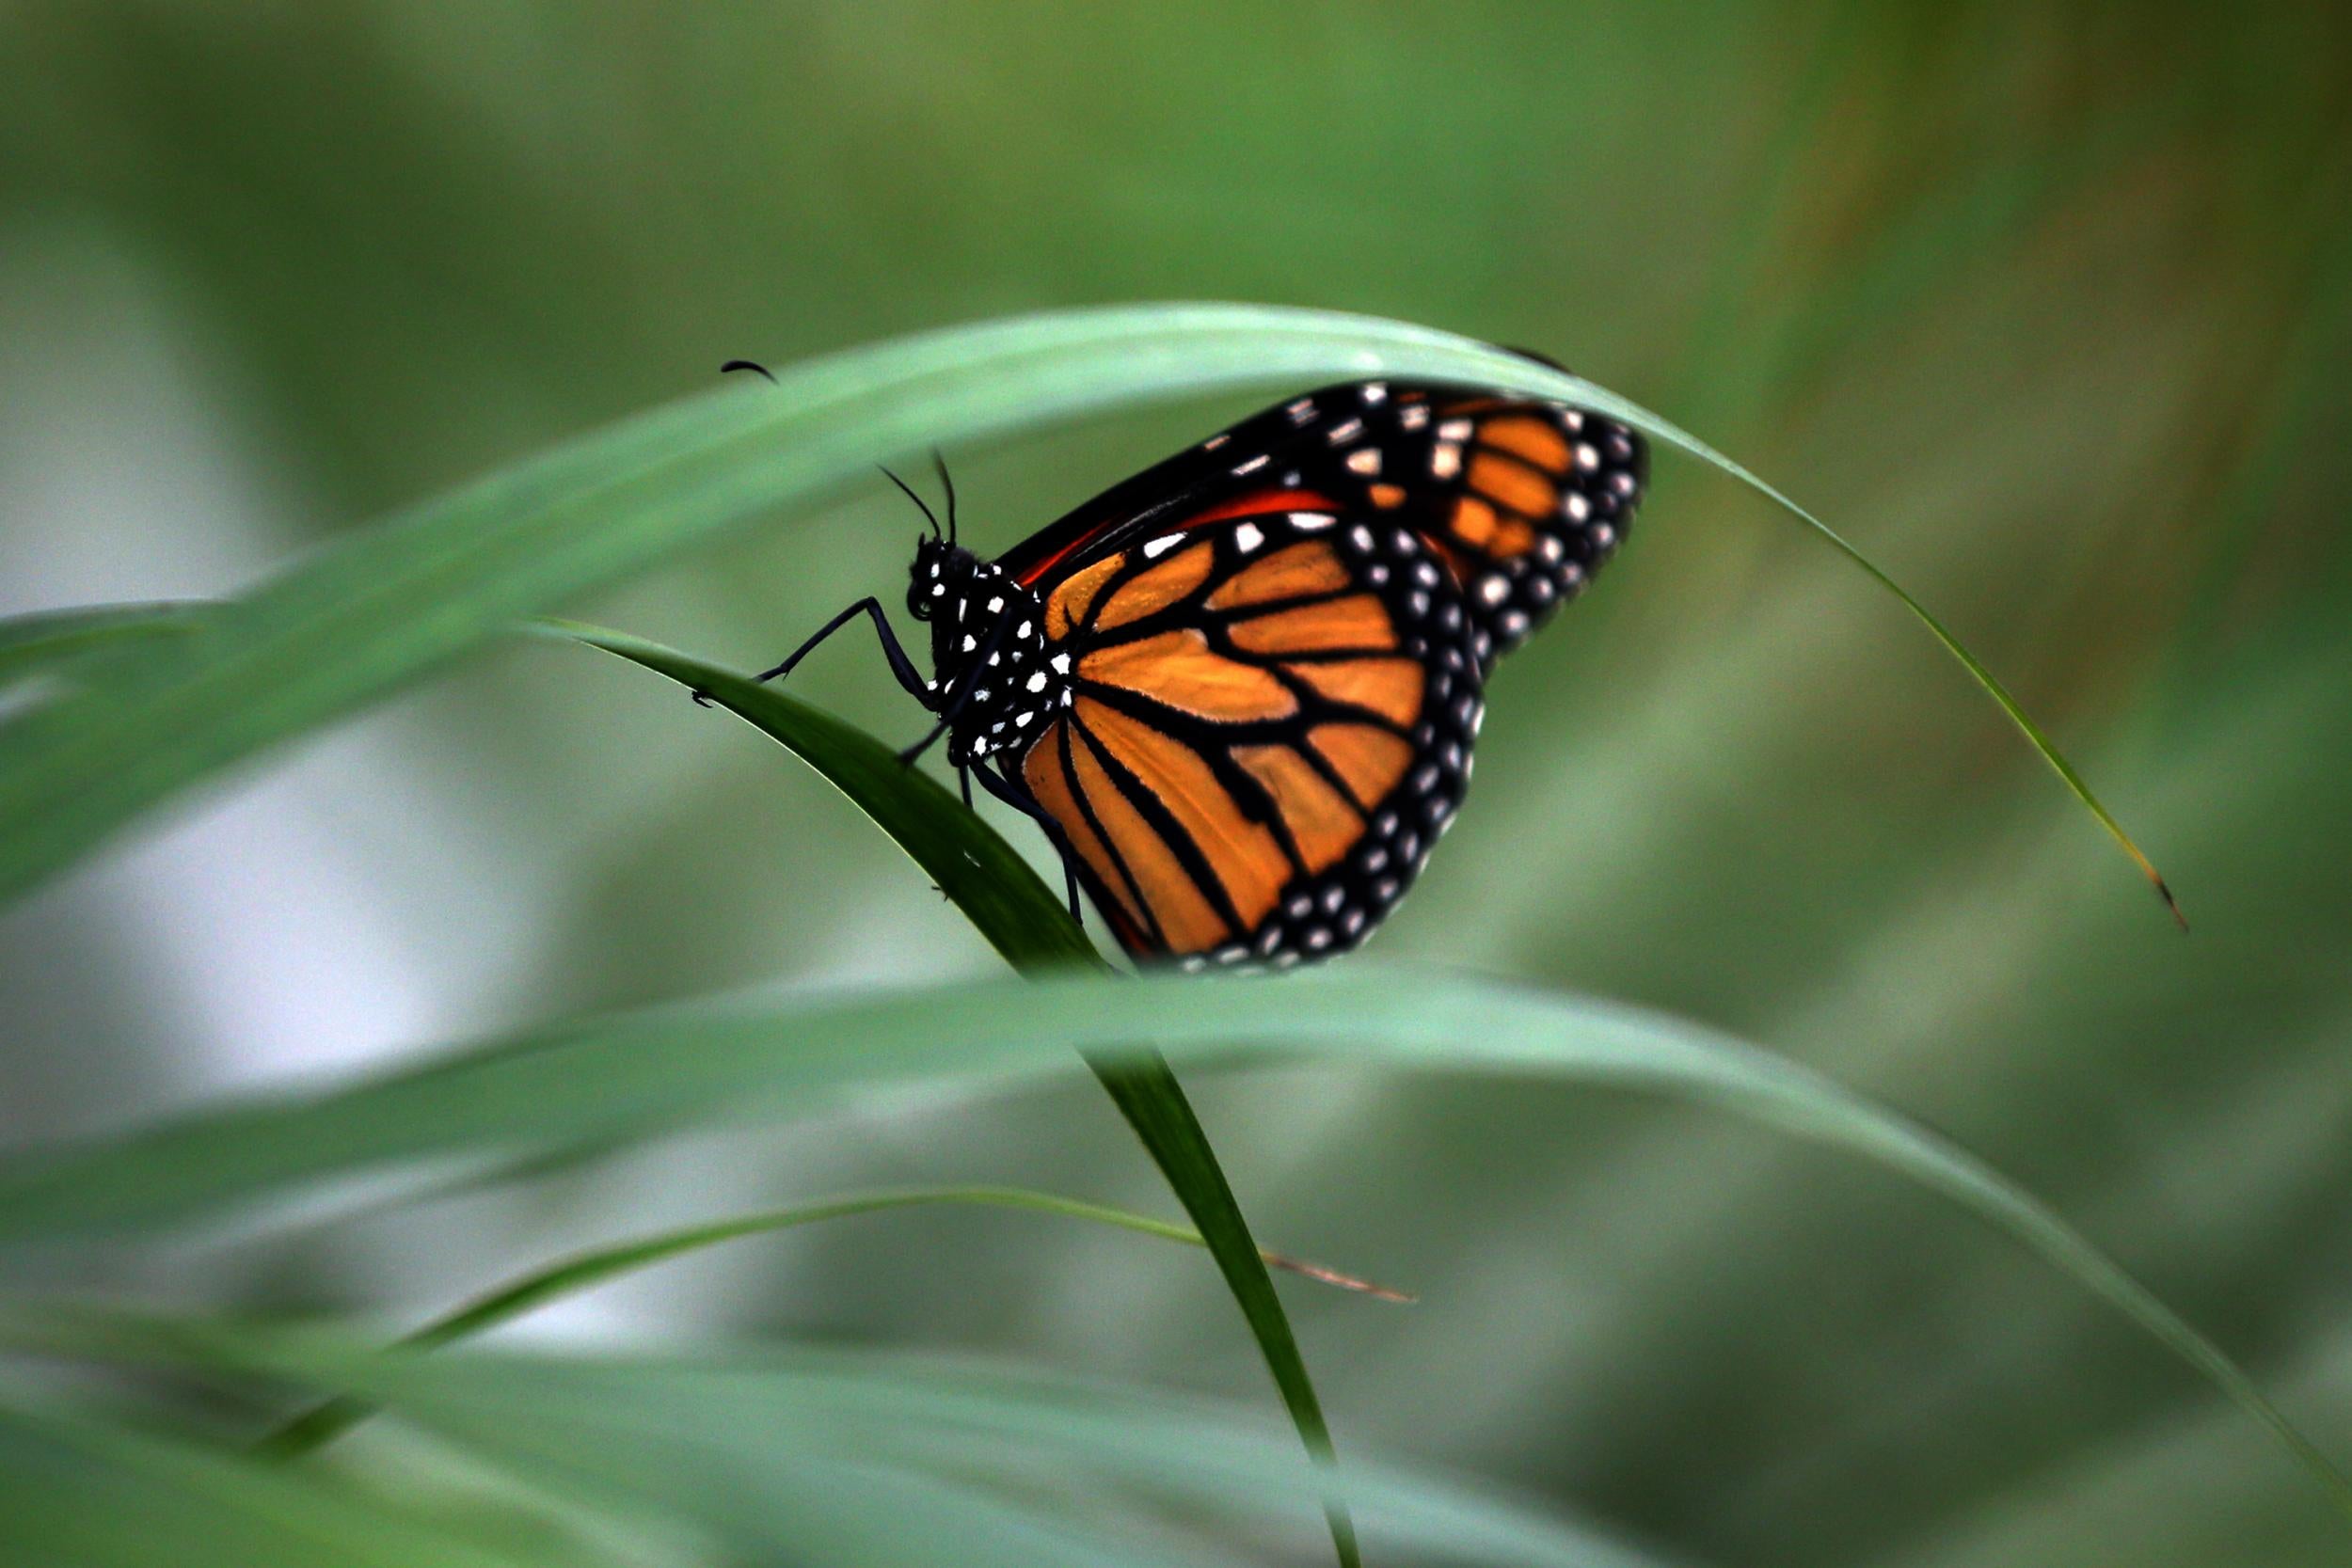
pixel 1520 501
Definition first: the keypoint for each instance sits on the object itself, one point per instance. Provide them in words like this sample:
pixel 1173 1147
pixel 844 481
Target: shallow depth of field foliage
pixel 2047 309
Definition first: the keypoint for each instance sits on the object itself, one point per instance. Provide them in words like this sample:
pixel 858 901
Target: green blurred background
pixel 2047 306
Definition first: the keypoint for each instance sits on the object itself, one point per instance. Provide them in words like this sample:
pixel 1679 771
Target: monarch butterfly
pixel 1239 690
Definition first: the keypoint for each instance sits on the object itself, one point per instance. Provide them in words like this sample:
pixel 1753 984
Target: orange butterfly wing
pixel 1268 724
pixel 1279 638
pixel 1523 501
pixel 1520 501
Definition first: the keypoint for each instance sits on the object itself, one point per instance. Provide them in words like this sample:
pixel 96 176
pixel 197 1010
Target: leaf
pixel 980 873
pixel 637 1075
pixel 359 619
pixel 30 644
pixel 824 1451
pixel 1012 908
pixel 315 1428
pixel 94 1495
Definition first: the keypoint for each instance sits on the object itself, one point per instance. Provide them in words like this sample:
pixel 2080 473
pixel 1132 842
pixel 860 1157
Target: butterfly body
pixel 1240 690
pixel 987 649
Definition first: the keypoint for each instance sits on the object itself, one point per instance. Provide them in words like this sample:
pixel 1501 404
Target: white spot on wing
pixel 1161 546
pixel 1247 537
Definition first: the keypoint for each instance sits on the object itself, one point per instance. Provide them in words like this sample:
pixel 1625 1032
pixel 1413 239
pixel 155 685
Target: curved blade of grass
pixel 381 607
pixel 315 1428
pixel 1025 922
pixel 731 1438
pixel 30 644
pixel 860 767
pixel 639 1075
pixel 96 1495
pixel 980 874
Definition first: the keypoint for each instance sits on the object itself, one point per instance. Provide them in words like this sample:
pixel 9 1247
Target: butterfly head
pixel 940 578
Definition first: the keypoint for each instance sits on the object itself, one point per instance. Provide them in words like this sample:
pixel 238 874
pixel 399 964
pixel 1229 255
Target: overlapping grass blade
pixel 383 607
pixel 1011 908
pixel 30 644
pixel 639 1075
pixel 100 1496
pixel 767 1444
pixel 583 1271
pixel 980 873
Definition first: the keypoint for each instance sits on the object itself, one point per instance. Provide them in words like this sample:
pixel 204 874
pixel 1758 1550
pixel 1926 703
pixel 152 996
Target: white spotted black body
pixel 987 647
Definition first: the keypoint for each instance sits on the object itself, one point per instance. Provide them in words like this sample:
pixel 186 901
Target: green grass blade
pixel 363 617
pixel 642 1074
pixel 735 1438
pixel 1145 1088
pixel 1013 909
pixel 94 1494
pixel 315 1428
pixel 30 644
pixel 980 873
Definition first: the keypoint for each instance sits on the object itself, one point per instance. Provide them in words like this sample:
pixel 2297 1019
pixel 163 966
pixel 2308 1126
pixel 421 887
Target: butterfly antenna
pixel 938 461
pixel 1531 353
pixel 918 503
pixel 752 366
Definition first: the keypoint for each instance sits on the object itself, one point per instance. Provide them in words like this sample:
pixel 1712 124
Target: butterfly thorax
pixel 989 667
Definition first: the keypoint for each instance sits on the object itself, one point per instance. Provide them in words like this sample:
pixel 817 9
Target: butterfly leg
pixel 900 665
pixel 1018 798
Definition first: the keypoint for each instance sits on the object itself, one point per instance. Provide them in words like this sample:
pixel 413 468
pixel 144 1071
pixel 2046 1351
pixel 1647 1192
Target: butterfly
pixel 1240 690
